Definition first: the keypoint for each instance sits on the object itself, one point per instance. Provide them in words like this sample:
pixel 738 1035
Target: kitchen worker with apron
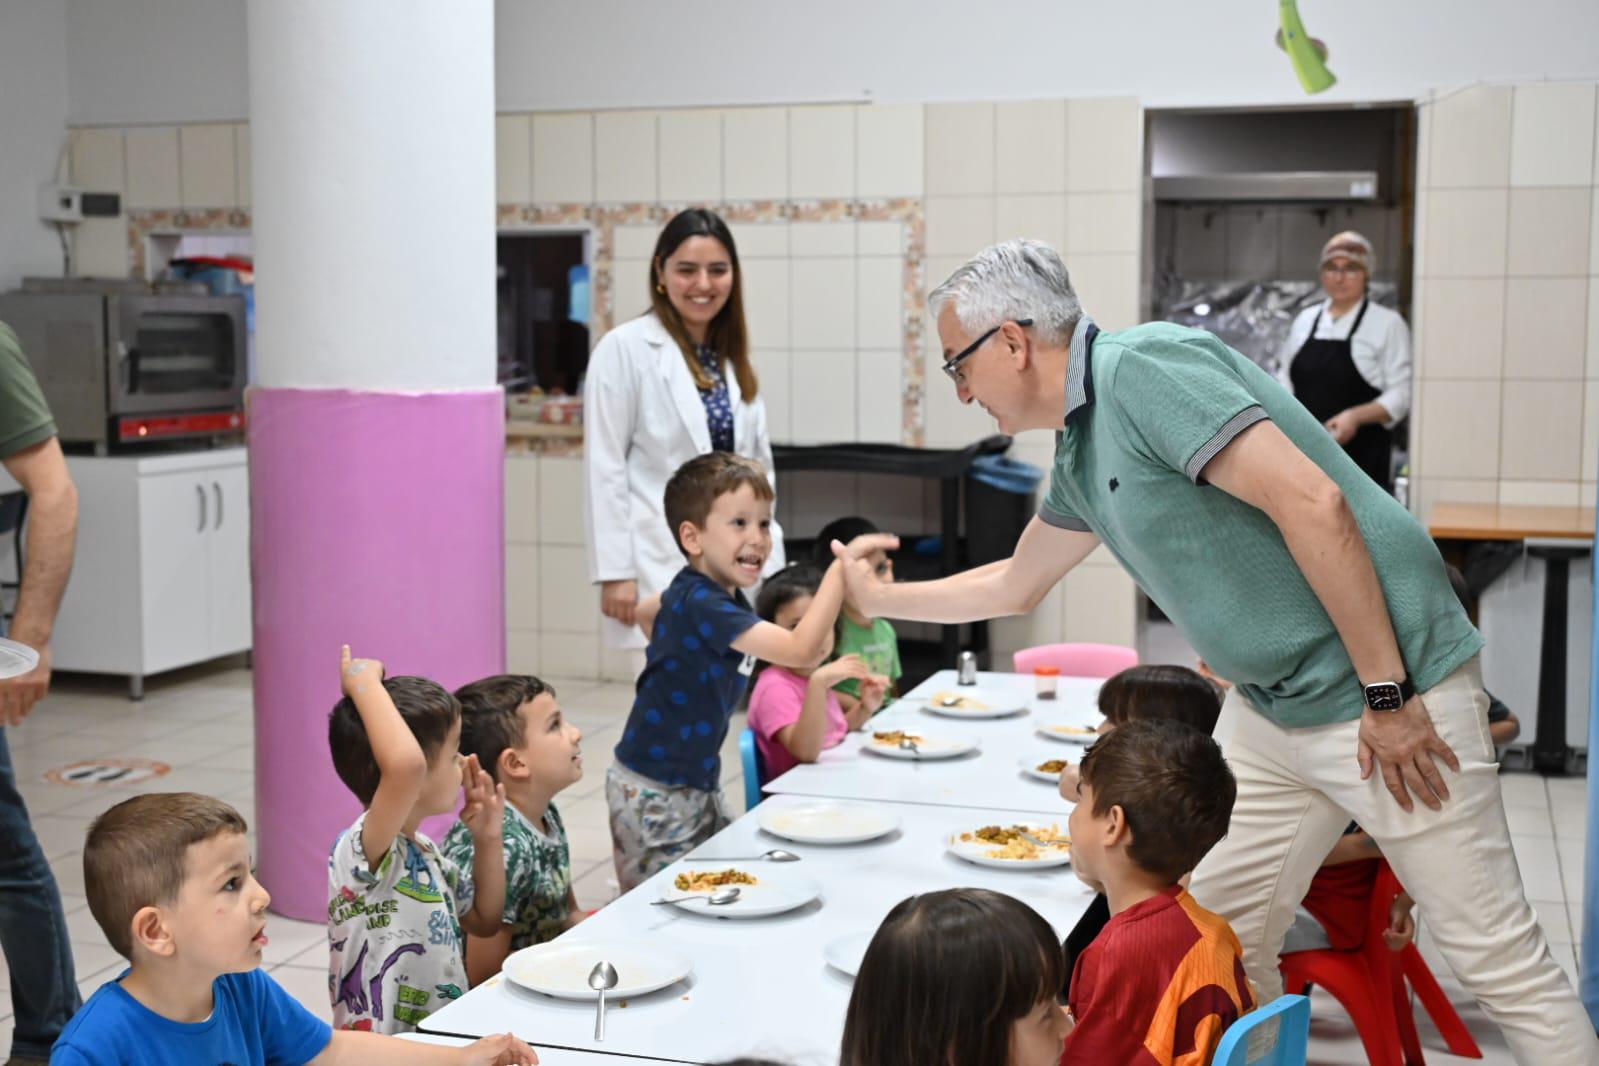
pixel 1347 359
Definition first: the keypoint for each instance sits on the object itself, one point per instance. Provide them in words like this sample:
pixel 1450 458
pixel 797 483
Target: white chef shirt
pixel 1381 350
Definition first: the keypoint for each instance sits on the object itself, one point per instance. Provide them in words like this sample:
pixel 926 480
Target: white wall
pixel 162 61
pixel 33 124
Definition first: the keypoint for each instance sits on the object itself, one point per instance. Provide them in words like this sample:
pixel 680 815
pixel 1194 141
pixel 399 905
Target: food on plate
pixel 1013 845
pixel 1073 730
pixel 1053 766
pixel 892 737
pixel 711 880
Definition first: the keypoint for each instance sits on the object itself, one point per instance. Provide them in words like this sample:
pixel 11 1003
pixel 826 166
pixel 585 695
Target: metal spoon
pixel 907 744
pixel 775 855
pixel 951 701
pixel 716 899
pixel 602 979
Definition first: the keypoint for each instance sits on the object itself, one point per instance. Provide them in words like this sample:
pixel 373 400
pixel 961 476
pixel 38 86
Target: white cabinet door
pixel 229 535
pixel 175 517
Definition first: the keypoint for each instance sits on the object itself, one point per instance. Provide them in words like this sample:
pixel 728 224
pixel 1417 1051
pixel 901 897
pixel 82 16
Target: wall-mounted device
pixel 67 203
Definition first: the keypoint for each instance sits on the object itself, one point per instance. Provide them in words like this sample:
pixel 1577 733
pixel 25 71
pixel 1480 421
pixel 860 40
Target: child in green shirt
pixel 873 639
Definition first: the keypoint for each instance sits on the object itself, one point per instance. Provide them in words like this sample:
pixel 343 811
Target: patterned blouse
pixel 718 407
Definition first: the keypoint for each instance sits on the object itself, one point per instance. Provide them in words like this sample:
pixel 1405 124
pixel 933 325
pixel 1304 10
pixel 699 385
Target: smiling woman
pixel 672 384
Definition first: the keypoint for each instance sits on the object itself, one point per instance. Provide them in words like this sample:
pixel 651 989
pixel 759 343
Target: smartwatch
pixel 1389 695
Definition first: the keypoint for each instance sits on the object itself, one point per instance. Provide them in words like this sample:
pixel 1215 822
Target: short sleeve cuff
pixel 1063 521
pixel 1223 437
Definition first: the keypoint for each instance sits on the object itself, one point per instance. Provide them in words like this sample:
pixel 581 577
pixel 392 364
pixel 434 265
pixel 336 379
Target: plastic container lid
pixel 1046 671
pixel 16 659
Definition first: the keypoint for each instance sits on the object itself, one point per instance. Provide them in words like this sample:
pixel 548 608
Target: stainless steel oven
pixel 124 364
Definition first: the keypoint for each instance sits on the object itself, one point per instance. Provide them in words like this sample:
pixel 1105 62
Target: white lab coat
pixel 643 418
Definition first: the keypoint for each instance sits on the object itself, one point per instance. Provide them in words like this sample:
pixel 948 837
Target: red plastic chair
pixel 1078 660
pixel 1369 983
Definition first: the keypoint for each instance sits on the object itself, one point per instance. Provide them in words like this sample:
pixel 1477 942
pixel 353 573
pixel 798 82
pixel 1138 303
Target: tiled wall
pixel 828 206
pixel 1506 303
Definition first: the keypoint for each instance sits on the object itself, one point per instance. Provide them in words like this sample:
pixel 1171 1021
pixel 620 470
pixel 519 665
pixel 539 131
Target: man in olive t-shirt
pixel 33 929
pixel 1358 690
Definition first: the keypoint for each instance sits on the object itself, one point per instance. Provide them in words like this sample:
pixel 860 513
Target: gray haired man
pixel 1357 690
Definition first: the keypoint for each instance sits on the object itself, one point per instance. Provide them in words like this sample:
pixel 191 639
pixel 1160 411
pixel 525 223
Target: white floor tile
pixel 1523 789
pixel 1529 820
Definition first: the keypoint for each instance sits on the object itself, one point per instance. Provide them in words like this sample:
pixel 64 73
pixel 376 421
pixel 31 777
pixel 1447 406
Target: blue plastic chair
pixel 1290 1047
pixel 750 756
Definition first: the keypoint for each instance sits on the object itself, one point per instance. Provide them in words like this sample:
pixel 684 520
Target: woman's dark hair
pixel 727 333
pixel 842 530
pixel 1175 693
pixel 945 977
pixel 786 586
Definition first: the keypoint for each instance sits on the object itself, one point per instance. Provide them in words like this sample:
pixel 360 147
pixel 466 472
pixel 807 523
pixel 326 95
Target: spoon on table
pixel 718 898
pixel 602 979
pixel 775 855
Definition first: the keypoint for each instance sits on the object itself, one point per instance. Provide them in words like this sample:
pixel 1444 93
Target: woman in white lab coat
pixel 667 386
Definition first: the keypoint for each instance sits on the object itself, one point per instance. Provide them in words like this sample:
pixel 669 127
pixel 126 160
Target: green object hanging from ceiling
pixel 1308 55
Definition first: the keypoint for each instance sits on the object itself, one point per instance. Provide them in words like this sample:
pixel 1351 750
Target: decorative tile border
pixel 603 219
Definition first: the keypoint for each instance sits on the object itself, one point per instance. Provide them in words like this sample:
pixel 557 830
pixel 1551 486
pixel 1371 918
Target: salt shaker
pixel 966 669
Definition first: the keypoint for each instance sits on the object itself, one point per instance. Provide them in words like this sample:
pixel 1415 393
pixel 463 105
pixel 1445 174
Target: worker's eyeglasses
pixel 1346 269
pixel 952 367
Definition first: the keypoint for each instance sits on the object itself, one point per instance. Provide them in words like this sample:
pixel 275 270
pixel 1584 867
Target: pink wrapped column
pixel 377 521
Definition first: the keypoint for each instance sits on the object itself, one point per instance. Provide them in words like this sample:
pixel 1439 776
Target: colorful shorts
pixel 653 825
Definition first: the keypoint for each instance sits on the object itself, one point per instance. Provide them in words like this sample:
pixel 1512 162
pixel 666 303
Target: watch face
pixel 1386 696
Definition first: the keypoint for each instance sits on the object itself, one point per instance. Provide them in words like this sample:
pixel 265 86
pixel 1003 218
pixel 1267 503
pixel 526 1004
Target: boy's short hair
pixel 694 488
pixel 426 707
pixel 490 722
pixel 134 855
pixel 1175 693
pixel 1173 786
pixel 842 530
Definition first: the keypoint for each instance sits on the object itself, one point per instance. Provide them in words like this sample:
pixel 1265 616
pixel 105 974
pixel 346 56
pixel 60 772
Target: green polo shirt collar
pixel 1079 367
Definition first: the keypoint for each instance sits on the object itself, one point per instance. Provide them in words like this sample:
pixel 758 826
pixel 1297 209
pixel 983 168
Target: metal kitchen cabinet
pixel 162 574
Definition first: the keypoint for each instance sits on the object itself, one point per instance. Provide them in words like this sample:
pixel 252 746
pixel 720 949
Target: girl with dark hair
pixel 962 977
pixel 796 714
pixel 671 384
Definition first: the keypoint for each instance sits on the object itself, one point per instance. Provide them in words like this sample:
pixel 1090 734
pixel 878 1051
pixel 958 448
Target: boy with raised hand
pixel 396 904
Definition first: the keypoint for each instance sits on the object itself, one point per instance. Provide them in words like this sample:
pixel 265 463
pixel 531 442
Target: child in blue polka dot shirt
pixel 664 790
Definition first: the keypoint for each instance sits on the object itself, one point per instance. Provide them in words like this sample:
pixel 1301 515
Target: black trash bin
pixel 999 504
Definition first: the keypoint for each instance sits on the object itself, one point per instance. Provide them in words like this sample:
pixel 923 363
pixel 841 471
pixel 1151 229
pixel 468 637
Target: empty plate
pixel 927 746
pixel 16 659
pixel 561 967
pixel 845 953
pixel 1068 732
pixel 969 706
pixel 827 823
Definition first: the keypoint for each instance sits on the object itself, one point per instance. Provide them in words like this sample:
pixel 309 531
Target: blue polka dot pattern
pixel 691 684
pixel 718 405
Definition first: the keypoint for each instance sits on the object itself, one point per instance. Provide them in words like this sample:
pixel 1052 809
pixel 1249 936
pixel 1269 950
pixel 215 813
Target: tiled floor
pixel 199 722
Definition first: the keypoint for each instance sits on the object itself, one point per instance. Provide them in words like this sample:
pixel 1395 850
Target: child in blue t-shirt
pixel 664 790
pixel 169 881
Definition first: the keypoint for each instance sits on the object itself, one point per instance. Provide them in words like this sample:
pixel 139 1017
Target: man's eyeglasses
pixel 952 366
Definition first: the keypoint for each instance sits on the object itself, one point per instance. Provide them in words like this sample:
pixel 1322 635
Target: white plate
pixel 775 891
pixel 1068 732
pixel 975 851
pixel 846 952
pixel 16 659
pixel 827 823
pixel 944 746
pixel 1030 768
pixel 989 708
pixel 561 967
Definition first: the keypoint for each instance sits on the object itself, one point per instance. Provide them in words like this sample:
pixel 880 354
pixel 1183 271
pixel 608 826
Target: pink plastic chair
pixel 1078 660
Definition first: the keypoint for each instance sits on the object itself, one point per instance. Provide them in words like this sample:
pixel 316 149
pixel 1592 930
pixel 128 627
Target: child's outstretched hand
pixel 354 674
pixel 500 1050
pixel 484 813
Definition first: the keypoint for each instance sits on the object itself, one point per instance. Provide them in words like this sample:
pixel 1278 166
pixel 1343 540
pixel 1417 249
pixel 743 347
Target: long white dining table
pixel 761 986
pixel 989 777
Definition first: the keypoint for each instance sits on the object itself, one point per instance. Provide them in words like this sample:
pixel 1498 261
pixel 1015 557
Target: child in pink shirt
pixel 795 713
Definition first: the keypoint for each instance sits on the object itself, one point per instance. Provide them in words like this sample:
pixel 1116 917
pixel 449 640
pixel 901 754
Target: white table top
pixel 547 1056
pixel 989 778
pixel 760 986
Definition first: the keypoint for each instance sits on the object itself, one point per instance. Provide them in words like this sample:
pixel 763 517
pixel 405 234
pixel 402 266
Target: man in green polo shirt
pixel 33 930
pixel 1357 689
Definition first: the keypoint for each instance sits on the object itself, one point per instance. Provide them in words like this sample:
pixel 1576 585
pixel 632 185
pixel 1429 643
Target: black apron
pixel 1326 381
